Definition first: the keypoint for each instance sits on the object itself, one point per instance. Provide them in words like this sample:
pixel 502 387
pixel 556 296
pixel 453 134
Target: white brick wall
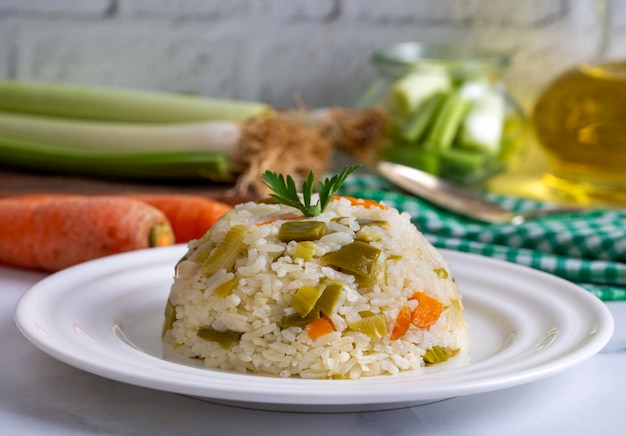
pixel 277 50
pixel 237 10
pixel 67 8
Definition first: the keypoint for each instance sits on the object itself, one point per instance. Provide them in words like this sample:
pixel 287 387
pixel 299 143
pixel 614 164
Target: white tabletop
pixel 39 395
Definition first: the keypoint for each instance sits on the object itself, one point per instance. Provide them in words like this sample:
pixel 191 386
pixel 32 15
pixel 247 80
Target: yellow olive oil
pixel 580 121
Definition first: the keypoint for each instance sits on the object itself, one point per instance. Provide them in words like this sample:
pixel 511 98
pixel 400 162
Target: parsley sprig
pixel 285 191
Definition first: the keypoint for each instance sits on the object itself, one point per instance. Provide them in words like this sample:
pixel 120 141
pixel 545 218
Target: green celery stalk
pixel 420 119
pixel 448 121
pixel 416 157
pixel 117 104
pixel 467 166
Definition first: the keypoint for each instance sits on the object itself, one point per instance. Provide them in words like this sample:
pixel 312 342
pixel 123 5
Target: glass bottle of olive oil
pixel 580 121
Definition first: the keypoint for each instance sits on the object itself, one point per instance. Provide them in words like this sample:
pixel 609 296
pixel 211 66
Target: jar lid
pixel 399 58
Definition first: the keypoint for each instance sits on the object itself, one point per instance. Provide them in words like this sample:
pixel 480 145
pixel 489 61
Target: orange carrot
pixel 403 321
pixel 190 215
pixel 366 203
pixel 281 218
pixel 51 232
pixel 320 327
pixel 427 312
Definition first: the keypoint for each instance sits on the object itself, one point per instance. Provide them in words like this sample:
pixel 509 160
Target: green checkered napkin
pixel 586 248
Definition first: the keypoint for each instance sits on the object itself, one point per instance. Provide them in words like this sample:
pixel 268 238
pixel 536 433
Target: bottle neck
pixel 604 9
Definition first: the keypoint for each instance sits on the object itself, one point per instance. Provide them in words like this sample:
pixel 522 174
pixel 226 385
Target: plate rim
pixel 122 262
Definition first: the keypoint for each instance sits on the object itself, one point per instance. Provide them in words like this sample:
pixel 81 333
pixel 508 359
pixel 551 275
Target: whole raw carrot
pixel 51 232
pixel 190 215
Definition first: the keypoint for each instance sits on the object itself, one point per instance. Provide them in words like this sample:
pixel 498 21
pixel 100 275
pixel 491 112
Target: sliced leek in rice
pixel 295 320
pixel 374 326
pixel 305 250
pixel 226 252
pixel 438 354
pixel 366 236
pixel 225 338
pixel 301 230
pixel 371 222
pixel 441 273
pixel 330 296
pixel 305 298
pixel 357 258
pixel 170 317
pixel 226 288
pixel 202 253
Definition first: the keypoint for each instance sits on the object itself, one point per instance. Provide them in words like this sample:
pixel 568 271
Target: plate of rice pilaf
pixel 107 317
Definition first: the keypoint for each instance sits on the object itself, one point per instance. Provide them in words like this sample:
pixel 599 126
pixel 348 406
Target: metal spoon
pixel 456 199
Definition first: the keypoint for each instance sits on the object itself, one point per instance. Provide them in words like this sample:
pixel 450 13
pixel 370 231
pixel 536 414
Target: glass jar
pixel 580 119
pixel 449 112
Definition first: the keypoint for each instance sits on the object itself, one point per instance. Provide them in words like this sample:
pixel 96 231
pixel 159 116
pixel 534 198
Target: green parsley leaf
pixel 285 191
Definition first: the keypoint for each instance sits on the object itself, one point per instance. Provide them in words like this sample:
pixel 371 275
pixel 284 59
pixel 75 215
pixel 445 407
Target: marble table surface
pixel 42 396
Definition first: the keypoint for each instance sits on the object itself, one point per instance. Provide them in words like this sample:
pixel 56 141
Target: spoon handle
pixel 443 193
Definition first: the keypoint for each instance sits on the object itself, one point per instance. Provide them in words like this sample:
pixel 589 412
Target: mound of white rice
pixel 232 301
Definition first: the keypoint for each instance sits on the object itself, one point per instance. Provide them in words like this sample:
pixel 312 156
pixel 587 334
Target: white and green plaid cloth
pixel 587 248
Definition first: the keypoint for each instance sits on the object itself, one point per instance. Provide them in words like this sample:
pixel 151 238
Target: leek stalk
pixel 216 136
pixel 152 166
pixel 117 104
pixel 124 133
pixel 164 151
pixel 138 134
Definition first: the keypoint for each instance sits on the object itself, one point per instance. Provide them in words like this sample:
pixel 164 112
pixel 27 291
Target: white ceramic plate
pixel 105 317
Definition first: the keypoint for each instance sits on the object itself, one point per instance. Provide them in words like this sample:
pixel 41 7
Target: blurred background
pixel 289 52
pixel 276 50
